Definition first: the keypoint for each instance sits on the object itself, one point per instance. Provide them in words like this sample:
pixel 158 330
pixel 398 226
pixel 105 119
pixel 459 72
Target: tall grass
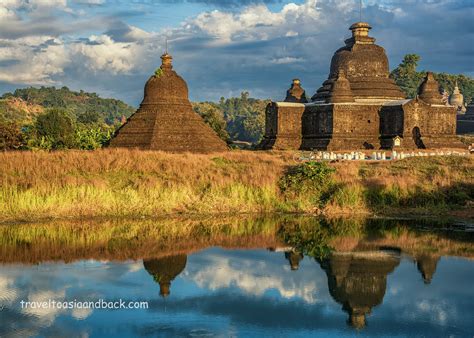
pixel 120 182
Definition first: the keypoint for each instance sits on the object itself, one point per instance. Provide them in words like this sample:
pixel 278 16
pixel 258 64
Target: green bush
pixel 10 136
pixel 92 138
pixel 309 177
pixel 58 127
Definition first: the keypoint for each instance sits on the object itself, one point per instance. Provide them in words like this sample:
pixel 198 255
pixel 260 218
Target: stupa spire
pixel 166 61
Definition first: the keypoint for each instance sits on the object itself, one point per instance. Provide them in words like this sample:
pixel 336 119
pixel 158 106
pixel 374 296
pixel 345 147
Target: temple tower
pixel 166 120
pixel 365 65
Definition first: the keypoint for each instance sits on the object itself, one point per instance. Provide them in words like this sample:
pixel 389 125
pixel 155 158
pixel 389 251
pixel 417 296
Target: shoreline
pixel 450 217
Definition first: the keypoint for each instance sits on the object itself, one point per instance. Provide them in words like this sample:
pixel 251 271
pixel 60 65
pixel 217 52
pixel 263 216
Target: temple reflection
pixel 358 281
pixel 164 270
pixel 427 264
pixel 294 257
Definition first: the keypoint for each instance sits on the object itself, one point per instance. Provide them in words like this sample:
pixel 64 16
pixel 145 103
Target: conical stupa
pixel 457 100
pixel 429 90
pixel 166 120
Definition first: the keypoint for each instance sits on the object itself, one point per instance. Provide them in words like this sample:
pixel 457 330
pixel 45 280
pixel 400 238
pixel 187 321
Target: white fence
pixel 374 156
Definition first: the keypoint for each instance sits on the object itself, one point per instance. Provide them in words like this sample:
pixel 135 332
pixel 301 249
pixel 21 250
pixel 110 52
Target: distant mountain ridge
pixel 23 105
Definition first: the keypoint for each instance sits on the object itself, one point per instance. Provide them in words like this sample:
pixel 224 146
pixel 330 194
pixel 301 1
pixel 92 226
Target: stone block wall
pixel 283 126
pixel 341 126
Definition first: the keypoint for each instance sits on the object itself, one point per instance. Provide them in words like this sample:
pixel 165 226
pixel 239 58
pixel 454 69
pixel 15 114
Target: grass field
pixel 123 183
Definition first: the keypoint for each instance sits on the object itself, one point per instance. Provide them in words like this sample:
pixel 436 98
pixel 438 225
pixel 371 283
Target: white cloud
pixel 102 53
pixel 223 272
pixel 286 60
pixel 34 60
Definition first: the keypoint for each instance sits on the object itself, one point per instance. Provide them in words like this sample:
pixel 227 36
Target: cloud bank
pixel 226 48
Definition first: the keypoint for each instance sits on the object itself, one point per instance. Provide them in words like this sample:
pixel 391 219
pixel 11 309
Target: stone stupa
pixel 457 100
pixel 166 120
pixel 296 93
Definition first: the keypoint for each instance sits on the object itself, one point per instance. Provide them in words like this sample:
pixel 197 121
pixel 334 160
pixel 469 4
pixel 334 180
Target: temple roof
pixel 165 85
pixel 365 65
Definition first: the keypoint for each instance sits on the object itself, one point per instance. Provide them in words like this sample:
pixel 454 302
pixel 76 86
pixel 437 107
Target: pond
pixel 258 276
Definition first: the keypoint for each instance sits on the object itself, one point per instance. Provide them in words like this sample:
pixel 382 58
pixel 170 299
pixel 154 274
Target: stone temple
pixel 166 120
pixel 360 107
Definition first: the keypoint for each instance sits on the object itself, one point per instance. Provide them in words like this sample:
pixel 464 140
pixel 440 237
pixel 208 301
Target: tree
pixel 213 116
pixel 88 117
pixel 10 136
pixel 409 79
pixel 406 76
pixel 56 126
pixel 92 138
pixel 245 117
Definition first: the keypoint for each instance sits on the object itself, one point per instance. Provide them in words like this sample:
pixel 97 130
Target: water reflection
pixel 426 264
pixel 358 281
pixel 220 278
pixel 164 270
pixel 294 257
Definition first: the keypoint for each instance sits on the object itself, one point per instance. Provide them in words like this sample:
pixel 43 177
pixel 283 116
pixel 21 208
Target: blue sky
pixel 221 47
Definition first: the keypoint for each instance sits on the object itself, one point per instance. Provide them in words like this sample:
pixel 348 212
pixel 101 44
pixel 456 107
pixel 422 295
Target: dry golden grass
pixel 121 182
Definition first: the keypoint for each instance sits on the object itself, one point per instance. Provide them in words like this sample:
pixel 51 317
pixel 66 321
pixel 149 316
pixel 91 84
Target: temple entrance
pixel 416 133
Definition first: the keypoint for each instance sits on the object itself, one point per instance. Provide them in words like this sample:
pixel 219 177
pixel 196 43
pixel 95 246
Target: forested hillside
pixel 24 104
pixel 50 118
pixel 237 118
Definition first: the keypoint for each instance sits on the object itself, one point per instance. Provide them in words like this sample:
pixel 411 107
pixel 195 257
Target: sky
pixel 220 47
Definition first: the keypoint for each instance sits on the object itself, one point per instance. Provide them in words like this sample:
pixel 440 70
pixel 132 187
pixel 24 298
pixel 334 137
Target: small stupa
pixel 457 100
pixel 340 90
pixel 429 90
pixel 294 257
pixel 296 93
pixel 166 120
pixel 427 264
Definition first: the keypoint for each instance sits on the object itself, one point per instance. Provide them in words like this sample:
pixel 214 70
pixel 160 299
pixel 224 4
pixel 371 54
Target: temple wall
pixel 283 126
pixel 391 121
pixel 343 126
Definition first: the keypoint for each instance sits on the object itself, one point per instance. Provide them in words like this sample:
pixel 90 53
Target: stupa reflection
pixel 358 281
pixel 427 264
pixel 164 270
pixel 294 257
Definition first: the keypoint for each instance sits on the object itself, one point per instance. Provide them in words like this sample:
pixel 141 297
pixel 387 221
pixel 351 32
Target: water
pixel 271 277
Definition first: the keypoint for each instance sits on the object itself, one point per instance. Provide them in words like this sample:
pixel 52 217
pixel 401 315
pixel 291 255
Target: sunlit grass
pixel 118 182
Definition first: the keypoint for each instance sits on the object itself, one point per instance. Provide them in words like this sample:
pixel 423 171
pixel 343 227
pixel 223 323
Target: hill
pixel 24 104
